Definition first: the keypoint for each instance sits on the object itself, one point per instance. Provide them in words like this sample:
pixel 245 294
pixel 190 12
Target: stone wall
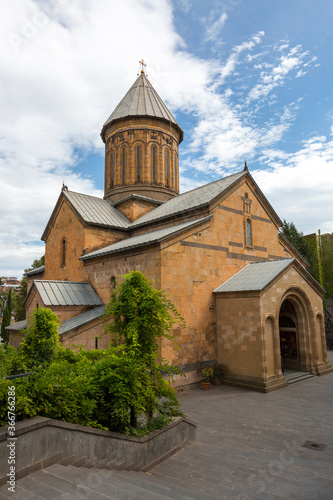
pixel 248 336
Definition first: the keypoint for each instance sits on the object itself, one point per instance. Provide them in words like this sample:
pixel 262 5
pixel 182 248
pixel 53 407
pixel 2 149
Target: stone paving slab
pixel 253 441
pixel 249 447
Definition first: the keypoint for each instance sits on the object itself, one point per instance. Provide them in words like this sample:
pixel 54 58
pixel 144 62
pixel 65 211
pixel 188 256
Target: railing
pixel 19 375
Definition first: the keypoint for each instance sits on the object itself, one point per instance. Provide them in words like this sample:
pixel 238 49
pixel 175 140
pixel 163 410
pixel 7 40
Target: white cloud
pixel 276 75
pixel 299 185
pixel 213 30
pixel 60 78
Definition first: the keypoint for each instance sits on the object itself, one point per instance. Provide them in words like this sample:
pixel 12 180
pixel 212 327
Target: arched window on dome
pixel 123 166
pixel 154 164
pixel 167 166
pixel 138 163
pixel 112 169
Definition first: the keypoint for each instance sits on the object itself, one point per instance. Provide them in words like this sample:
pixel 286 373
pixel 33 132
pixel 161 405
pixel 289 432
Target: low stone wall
pixel 41 442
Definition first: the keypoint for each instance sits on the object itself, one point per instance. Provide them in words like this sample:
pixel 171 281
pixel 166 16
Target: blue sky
pixel 246 80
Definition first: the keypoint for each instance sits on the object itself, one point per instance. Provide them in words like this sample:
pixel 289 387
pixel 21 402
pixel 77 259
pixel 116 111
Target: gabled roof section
pixel 190 200
pixel 69 324
pixel 65 293
pixel 139 197
pixel 144 239
pixel 141 100
pixel 92 210
pixel 20 325
pixel 37 270
pixel 81 319
pixel 255 276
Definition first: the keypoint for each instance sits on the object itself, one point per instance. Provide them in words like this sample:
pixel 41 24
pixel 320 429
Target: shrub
pixel 42 338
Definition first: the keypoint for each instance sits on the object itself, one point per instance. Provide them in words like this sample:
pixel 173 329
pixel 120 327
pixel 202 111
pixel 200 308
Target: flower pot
pixel 206 386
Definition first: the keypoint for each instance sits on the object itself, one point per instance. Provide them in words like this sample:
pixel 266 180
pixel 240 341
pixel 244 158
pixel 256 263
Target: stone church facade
pixel 242 289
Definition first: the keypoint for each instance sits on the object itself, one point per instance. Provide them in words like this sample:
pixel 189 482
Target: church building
pixel 216 250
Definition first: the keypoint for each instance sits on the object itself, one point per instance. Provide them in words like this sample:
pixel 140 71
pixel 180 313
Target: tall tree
pixel 307 247
pixel 7 313
pixel 296 238
pixel 20 312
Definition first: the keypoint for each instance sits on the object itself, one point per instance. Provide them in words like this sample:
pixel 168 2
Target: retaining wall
pixel 41 442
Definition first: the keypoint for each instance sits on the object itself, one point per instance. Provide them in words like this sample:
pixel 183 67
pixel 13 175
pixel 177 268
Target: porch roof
pixel 254 276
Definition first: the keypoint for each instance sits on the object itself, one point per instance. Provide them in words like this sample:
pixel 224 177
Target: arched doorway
pixel 289 338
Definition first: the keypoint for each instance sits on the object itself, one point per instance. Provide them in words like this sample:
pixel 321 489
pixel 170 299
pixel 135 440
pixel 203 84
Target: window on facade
pixel 248 233
pixel 113 283
pixel 96 342
pixel 154 164
pixel 167 166
pixel 63 252
pixel 112 168
pixel 175 168
pixel 138 163
pixel 123 166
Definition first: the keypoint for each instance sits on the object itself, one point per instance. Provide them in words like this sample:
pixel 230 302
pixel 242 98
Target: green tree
pixel 308 247
pixel 296 238
pixel 19 309
pixel 6 317
pixel 141 316
pixel 39 346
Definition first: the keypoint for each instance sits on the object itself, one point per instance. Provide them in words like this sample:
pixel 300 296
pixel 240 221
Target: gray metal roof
pixel 189 200
pixel 66 293
pixel 96 210
pixel 69 324
pixel 255 276
pixel 20 325
pixel 135 196
pixel 37 270
pixel 144 239
pixel 81 319
pixel 141 100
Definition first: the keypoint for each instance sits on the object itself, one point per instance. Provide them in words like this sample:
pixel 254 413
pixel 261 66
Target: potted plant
pixel 206 374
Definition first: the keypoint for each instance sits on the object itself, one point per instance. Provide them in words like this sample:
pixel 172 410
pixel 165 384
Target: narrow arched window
pixel 123 166
pixel 113 283
pixel 112 168
pixel 248 233
pixel 175 169
pixel 167 166
pixel 154 164
pixel 63 252
pixel 138 163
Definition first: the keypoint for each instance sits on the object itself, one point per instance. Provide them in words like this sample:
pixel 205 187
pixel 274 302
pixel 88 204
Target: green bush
pixel 120 388
pixel 42 338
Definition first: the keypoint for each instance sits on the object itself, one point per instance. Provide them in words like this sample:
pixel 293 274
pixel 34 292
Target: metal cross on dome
pixel 143 64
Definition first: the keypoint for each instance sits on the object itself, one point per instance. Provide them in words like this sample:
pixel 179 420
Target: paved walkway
pixel 249 446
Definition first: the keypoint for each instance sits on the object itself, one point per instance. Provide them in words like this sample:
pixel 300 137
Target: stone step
pixel 168 486
pixel 107 485
pixel 299 378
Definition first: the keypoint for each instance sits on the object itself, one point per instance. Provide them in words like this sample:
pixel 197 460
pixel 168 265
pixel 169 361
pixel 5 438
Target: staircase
pixel 293 376
pixel 59 482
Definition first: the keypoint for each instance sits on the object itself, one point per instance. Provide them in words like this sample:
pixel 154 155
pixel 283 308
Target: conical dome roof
pixel 141 100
